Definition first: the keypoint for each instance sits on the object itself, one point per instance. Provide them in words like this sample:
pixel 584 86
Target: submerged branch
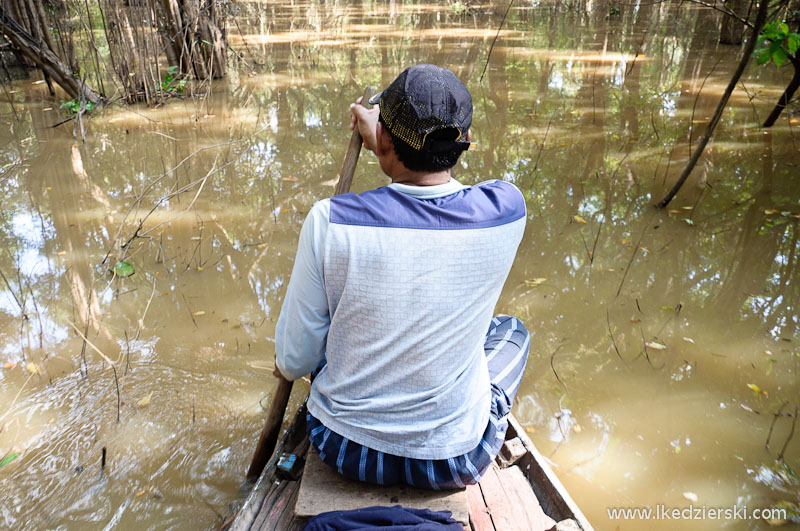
pixel 723 102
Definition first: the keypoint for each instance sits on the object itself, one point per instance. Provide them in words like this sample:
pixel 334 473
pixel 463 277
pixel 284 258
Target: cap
pixel 424 99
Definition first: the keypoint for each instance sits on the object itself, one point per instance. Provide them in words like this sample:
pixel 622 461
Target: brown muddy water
pixel 590 112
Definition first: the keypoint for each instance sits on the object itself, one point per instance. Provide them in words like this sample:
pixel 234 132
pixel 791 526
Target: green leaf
pixel 783 28
pixel 7 459
pixel 124 269
pixel 780 55
pixel 764 56
pixel 793 42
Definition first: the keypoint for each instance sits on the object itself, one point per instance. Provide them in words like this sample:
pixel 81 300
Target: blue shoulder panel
pixel 487 205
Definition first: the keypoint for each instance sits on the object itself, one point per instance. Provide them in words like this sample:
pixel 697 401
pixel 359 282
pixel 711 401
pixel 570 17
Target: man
pixel 392 293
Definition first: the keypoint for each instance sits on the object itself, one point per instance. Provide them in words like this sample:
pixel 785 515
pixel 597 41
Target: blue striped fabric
pixel 506 347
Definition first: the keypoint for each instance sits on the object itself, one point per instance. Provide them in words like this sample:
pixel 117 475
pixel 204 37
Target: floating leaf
pixel 32 368
pixel 9 364
pixel 576 428
pixel 535 282
pixel 656 346
pixel 689 340
pixel 124 269
pixel 201 312
pixel 290 179
pixel 7 459
pixel 146 400
pixel 691 496
pixel 754 388
pixel 675 211
pixel 579 219
pixel 688 221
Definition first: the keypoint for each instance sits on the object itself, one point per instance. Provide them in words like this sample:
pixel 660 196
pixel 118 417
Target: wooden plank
pixel 479 517
pixel 511 502
pixel 552 496
pixel 322 490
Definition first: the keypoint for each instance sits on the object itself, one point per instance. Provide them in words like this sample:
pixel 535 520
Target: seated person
pixel 392 295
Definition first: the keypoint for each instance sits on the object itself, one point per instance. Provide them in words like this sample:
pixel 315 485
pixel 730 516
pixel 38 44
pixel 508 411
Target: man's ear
pixel 384 139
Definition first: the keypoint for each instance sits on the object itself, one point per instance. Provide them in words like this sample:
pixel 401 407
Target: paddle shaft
pixel 277 409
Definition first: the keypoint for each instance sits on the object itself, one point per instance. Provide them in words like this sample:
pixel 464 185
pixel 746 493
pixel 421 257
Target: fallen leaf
pixel 754 387
pixel 291 179
pixel 656 346
pixel 636 321
pixel 576 428
pixel 689 340
pixel 688 221
pixel 7 459
pixel 579 219
pixel 207 116
pixel 61 253
pixel 146 400
pixel 530 429
pixel 201 312
pixel 674 211
pixel 38 82
pixel 32 368
pixel 770 211
pixel 51 421
pixel 9 364
pixel 199 268
pixel 691 496
pixel 535 282
pixel 625 241
pixel 124 269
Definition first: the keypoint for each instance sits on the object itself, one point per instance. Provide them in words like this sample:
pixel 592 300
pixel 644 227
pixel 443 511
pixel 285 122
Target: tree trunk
pixel 39 53
pixel 732 31
pixel 794 84
pixel 194 37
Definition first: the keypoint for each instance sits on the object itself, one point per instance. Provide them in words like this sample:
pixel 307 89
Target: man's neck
pixel 419 178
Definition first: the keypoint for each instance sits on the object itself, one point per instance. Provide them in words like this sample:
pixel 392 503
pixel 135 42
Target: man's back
pixel 411 285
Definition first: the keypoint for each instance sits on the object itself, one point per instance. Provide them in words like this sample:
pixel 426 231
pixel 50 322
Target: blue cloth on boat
pixel 395 518
pixel 506 348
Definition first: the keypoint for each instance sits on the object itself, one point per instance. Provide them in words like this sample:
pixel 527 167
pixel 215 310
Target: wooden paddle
pixel 277 408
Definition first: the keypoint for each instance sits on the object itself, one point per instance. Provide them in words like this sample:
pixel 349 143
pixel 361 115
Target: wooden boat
pixel 520 492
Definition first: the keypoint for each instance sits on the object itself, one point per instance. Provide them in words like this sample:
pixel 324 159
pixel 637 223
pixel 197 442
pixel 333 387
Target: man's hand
pixel 276 372
pixel 367 121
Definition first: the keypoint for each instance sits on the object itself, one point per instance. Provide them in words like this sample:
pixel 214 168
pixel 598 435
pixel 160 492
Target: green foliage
pixel 170 81
pixel 458 7
pixel 124 269
pixel 782 43
pixel 74 105
pixel 7 459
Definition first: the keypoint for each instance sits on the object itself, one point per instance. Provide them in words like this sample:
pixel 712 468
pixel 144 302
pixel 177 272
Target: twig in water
pixel 22 309
pixel 644 343
pixel 106 358
pixel 116 381
pixel 552 357
pixel 541 147
pixel 500 27
pixel 774 420
pixel 791 434
pixel 610 333
pixel 128 354
pixel 103 462
pixel 633 254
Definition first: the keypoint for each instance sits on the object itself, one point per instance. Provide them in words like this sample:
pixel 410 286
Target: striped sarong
pixel 506 348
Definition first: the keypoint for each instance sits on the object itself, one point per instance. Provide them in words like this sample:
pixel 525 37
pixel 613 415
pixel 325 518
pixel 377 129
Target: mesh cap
pixel 424 99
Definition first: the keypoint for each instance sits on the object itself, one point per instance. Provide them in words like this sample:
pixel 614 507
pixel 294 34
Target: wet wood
pixel 271 429
pixel 353 151
pixel 511 502
pixel 323 490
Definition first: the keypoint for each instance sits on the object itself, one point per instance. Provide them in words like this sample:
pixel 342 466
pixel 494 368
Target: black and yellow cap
pixel 424 99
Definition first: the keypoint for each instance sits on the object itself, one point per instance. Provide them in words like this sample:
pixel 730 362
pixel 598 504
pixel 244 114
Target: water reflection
pixel 652 328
